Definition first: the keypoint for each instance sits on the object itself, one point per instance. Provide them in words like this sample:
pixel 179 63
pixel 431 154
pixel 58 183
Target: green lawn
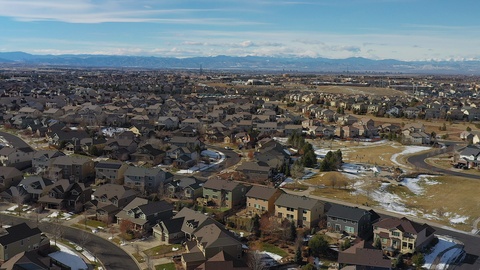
pixel 274 249
pixel 138 257
pixel 93 223
pixel 166 266
pixel 161 249
pixel 81 227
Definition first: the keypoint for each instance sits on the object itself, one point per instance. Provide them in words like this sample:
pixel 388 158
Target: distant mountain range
pixel 247 63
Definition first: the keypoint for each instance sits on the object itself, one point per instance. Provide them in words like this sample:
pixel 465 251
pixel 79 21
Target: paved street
pixel 112 256
pixel 14 140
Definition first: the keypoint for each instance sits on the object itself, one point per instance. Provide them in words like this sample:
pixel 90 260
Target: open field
pixel 452 201
pixel 339 189
pixel 333 89
pixel 355 90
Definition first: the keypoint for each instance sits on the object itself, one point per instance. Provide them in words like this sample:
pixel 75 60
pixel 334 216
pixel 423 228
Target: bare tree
pixel 57 231
pixel 255 262
pixel 84 239
pixel 333 180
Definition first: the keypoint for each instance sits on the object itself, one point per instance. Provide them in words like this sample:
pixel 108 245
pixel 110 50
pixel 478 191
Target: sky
pixel 376 29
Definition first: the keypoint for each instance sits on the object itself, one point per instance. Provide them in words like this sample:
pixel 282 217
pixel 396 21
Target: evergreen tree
pixel 256 225
pixel 298 256
pixel 293 232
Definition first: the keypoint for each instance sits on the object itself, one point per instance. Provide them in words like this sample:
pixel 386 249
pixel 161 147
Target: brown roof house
pixel 109 199
pixel 303 211
pixel 207 242
pixel 67 195
pixel 20 158
pixel 223 261
pixel 261 199
pixel 146 179
pixel 360 255
pixel 181 227
pixel 224 193
pixel 144 214
pixel 75 168
pixel 9 176
pixel 110 171
pixel 187 188
pixel 400 235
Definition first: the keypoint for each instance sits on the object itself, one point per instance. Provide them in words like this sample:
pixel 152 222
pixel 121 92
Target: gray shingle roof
pixel 17 232
pixel 303 202
pixel 220 184
pixel 261 192
pixel 346 212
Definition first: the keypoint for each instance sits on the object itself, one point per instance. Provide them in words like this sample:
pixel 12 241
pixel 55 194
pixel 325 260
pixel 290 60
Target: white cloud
pixel 85 11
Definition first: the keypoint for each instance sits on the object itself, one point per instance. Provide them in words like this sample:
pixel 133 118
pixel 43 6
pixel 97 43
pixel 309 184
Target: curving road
pixel 419 162
pixel 14 140
pixel 107 252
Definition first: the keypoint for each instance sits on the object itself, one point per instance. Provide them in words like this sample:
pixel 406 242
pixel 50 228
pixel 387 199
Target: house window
pixel 396 234
pixel 349 229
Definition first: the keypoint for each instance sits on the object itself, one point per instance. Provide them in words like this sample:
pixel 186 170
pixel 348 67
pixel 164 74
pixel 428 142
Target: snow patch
pixel 68 257
pixel 408 150
pixel 444 243
pixel 457 219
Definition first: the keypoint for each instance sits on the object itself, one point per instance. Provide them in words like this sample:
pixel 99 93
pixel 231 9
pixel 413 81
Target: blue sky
pixel 376 29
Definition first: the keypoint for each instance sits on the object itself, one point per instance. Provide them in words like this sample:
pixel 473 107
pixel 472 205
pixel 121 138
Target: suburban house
pixel 258 171
pixel 20 158
pixel 207 242
pixel 472 137
pixel 188 188
pixel 351 220
pixel 30 188
pixel 146 179
pixel 110 171
pixel 168 122
pixel 20 238
pixel 223 261
pixel 67 195
pixel 9 176
pixel 148 154
pixel 470 155
pixel 75 168
pixel 181 227
pixel 400 235
pixel 144 214
pixel 120 149
pixel 109 199
pixel 224 193
pixel 42 159
pixel 303 211
pixel 29 260
pixel 362 257
pixel 192 143
pixel 261 199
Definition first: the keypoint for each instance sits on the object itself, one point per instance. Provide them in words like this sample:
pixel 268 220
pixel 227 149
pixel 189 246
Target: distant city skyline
pixel 375 29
